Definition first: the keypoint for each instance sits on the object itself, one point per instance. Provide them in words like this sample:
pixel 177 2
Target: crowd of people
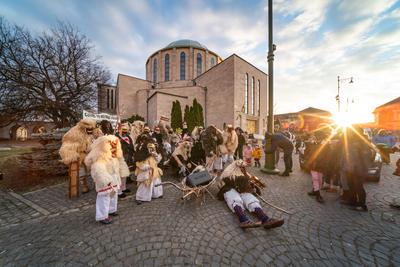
pixel 337 160
pixel 110 156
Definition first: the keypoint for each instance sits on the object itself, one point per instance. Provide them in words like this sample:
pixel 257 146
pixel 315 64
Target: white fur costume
pixel 106 166
pixel 148 176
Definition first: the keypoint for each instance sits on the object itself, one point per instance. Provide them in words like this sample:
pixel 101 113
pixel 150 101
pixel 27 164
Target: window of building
pixel 246 93
pixel 212 62
pixel 259 98
pixel 253 96
pixel 199 64
pixel 182 66
pixel 166 67
pixel 112 99
pixel 108 98
pixel 155 70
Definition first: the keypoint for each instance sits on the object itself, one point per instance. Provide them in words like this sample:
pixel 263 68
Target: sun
pixel 344 119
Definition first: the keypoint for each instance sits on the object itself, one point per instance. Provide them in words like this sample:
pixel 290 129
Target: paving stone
pixel 165 233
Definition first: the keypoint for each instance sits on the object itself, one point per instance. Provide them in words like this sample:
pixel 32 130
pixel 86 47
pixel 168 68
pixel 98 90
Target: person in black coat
pixel 241 143
pixel 354 165
pixel 281 141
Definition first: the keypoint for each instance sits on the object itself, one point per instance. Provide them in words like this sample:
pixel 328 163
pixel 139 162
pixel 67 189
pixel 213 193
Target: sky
pixel 316 41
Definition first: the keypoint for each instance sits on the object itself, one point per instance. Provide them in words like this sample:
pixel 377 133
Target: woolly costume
pixel 198 156
pixel 148 174
pixel 75 146
pixel 230 144
pixel 211 139
pixel 180 159
pixel 106 163
pixel 137 128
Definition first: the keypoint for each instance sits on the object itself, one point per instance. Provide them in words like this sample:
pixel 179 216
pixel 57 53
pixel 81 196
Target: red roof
pixel 394 101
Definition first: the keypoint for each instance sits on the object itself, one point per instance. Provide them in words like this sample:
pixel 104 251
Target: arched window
pixel 259 98
pixel 246 93
pixel 253 96
pixel 199 64
pixel 182 66
pixel 166 67
pixel 212 62
pixel 155 70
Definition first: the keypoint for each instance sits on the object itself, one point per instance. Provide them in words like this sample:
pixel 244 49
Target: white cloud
pixel 312 47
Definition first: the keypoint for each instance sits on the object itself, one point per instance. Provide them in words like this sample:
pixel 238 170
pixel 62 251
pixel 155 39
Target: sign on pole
pixel 101 116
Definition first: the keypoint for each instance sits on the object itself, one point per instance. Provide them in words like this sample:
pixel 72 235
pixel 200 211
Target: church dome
pixel 185 43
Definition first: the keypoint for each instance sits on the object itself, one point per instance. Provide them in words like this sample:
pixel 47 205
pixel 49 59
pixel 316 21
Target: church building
pixel 231 91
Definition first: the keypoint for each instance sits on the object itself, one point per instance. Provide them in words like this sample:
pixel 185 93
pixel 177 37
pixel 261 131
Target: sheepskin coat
pixel 106 169
pixel 230 141
pixel 76 142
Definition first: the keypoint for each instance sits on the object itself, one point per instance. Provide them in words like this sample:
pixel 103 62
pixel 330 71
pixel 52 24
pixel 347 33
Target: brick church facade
pixel 231 91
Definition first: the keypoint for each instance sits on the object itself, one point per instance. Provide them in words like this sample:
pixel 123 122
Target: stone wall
pixel 241 67
pixel 127 87
pixel 220 93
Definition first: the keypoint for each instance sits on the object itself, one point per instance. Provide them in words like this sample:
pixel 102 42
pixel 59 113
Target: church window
pixel 155 70
pixel 246 93
pixel 199 64
pixel 212 62
pixel 182 66
pixel 259 98
pixel 167 67
pixel 253 96
pixel 112 99
pixel 108 98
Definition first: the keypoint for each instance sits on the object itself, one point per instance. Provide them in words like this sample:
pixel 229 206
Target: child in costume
pixel 104 160
pixel 148 174
pixel 257 152
pixel 248 154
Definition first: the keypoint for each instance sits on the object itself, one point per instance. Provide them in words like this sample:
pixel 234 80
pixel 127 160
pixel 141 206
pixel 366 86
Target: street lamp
pixel 339 80
pixel 269 166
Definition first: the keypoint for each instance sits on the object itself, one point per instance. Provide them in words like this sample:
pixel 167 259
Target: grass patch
pixel 15 151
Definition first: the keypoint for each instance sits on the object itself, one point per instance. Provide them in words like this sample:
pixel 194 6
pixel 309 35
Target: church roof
pixel 186 43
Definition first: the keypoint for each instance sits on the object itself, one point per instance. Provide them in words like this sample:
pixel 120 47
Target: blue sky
pixel 316 40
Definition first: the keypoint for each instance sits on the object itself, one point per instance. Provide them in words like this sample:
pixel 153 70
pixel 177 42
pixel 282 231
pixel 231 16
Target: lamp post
pixel 269 166
pixel 339 80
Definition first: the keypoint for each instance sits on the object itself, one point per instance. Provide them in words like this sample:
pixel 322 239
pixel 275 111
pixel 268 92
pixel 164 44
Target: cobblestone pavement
pixel 169 232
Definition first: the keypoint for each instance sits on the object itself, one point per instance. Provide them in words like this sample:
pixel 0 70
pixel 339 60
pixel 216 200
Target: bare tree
pixel 53 75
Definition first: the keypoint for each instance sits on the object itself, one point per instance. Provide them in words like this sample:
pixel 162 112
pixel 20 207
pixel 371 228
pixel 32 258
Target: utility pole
pixel 269 166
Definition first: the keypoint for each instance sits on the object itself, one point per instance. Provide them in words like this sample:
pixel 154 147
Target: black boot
pixel 318 197
pixel 312 193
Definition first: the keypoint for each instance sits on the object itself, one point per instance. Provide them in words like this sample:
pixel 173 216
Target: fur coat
pixel 76 142
pixel 106 167
pixel 147 170
pixel 211 138
pixel 230 142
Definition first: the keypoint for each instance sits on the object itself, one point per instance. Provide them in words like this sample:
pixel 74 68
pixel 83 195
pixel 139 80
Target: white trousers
pixel 227 159
pixel 218 164
pixel 105 204
pixel 146 193
pixel 122 187
pixel 234 198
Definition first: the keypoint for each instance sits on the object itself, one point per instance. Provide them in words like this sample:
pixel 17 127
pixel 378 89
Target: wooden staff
pixel 272 205
pixel 73 180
